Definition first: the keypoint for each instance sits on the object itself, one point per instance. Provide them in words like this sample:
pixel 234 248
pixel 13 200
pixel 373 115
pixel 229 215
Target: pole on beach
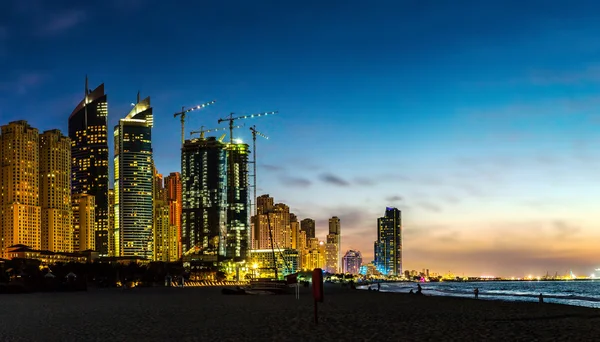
pixel 317 287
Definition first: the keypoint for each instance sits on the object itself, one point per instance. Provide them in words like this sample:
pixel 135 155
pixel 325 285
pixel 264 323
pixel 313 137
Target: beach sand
pixel 204 314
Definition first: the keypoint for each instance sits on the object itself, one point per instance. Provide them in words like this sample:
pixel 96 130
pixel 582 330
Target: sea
pixel 580 293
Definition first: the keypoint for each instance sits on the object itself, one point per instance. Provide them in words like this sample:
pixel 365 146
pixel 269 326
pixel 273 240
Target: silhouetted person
pixel 411 291
pixel 378 287
pixel 541 298
pixel 419 289
pixel 476 293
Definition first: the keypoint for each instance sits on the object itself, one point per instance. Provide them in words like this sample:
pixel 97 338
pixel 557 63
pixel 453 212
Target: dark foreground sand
pixel 203 314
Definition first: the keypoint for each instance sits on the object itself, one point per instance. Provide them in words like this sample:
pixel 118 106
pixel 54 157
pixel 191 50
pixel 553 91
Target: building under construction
pixel 215 213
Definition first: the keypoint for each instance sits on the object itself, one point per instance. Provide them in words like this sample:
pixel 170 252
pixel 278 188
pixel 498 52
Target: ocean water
pixel 581 293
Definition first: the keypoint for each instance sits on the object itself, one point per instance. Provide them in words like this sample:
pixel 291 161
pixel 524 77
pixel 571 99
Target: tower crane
pixel 184 112
pixel 202 130
pixel 231 120
pixel 254 134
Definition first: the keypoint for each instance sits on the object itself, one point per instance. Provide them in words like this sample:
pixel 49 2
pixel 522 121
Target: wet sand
pixel 204 314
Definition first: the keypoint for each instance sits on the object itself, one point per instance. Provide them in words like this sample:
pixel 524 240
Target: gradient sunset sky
pixel 478 119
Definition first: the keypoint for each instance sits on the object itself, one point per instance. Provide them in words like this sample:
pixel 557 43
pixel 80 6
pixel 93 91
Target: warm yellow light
pixel 254 265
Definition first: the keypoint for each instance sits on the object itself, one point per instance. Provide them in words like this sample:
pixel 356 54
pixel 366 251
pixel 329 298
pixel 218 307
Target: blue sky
pixel 476 118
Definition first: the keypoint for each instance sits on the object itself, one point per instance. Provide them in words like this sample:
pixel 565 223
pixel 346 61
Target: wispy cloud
pixel 334 180
pixel 270 167
pixel 62 21
pixel 23 82
pixel 393 199
pixel 295 181
pixel 430 206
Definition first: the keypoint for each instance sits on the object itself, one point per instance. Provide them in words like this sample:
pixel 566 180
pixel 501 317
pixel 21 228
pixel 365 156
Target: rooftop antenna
pixel 138 97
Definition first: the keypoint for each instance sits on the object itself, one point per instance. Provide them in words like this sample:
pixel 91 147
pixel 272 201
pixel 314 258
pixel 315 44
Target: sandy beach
pixel 204 314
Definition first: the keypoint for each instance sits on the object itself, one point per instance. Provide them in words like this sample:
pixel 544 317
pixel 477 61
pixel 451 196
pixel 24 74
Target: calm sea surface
pixel 582 293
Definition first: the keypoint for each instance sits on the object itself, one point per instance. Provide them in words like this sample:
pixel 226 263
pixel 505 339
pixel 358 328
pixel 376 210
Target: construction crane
pixel 254 134
pixel 202 130
pixel 231 120
pixel 184 112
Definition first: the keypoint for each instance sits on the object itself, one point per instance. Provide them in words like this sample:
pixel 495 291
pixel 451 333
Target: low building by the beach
pixel 287 262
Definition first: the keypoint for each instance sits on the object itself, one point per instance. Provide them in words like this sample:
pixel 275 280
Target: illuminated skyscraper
pixel 308 225
pixel 134 182
pixel 89 154
pixel 238 205
pixel 84 214
pixel 20 212
pixel 55 192
pixel 332 247
pixel 388 247
pixel 111 222
pixel 351 262
pixel 203 178
pixel 173 195
pixel 165 234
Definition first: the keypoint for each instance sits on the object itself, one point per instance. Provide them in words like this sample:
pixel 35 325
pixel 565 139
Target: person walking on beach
pixel 541 298
pixel 378 287
pixel 476 293
pixel 419 289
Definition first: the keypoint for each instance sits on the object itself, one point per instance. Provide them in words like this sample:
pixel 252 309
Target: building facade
pixel 238 203
pixel 134 182
pixel 20 212
pixel 173 195
pixel 351 262
pixel 111 223
pixel 332 246
pixel 89 157
pixel 55 192
pixel 84 227
pixel 388 247
pixel 203 179
pixel 308 225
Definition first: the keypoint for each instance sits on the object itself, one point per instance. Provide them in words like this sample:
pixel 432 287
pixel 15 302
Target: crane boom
pixel 183 113
pixel 254 134
pixel 202 130
pixel 232 119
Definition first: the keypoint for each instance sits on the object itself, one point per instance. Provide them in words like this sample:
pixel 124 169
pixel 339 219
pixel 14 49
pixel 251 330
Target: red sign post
pixel 317 289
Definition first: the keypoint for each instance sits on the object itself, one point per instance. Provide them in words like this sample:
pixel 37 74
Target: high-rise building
pixel 273 225
pixel 332 247
pixel 308 225
pixel 55 192
pixel 388 247
pixel 84 216
pixel 203 178
pixel 20 212
pixel 238 205
pixel 111 222
pixel 134 182
pixel 165 234
pixel 173 196
pixel 351 262
pixel 89 157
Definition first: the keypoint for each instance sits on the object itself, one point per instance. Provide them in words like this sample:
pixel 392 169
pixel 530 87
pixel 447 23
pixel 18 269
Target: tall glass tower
pixel 238 206
pixel 89 157
pixel 134 180
pixel 388 247
pixel 203 176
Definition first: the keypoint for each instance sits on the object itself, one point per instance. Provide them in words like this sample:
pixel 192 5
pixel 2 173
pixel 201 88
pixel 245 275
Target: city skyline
pixel 486 143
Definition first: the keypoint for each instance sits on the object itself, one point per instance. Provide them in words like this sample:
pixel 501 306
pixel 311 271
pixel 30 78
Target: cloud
pixel 269 167
pixel 24 82
pixel 430 206
pixel 394 198
pixel 295 181
pixel 62 22
pixel 334 180
pixel 364 181
pixel 564 230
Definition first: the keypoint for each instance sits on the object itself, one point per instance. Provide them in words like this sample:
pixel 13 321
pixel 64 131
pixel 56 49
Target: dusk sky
pixel 478 119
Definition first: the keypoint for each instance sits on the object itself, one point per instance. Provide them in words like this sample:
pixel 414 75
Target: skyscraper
pixel 388 247
pixel 111 223
pixel 238 205
pixel 84 215
pixel 20 211
pixel 55 192
pixel 351 262
pixel 308 225
pixel 134 182
pixel 173 194
pixel 203 178
pixel 332 247
pixel 89 154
